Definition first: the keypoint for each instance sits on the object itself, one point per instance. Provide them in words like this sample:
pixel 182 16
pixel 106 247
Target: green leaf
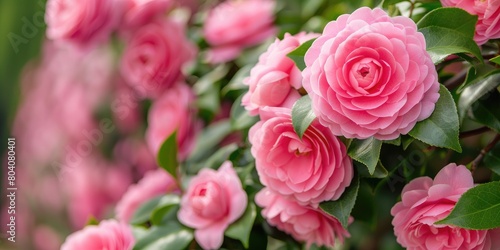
pixel 165 204
pixel 302 115
pixel 452 18
pixel 297 55
pixel 387 3
pixel 240 118
pixel 143 213
pixel 395 142
pixel 213 161
pixel 171 236
pixel 209 138
pixel 476 74
pixel 472 93
pixel 208 103
pixel 91 221
pixel 341 208
pixel 477 209
pixel 496 60
pixel 442 42
pixel 236 82
pixel 406 141
pixel 487 112
pixel 206 82
pixel 240 229
pixel 442 127
pixel 366 151
pixel 492 159
pixel 167 155
pixel 380 171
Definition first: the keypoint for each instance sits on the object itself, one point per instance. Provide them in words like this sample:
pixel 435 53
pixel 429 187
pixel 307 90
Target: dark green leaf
pixel 387 3
pixel 380 171
pixel 487 112
pixel 395 142
pixel 406 141
pixel 302 115
pixel 495 60
pixel 213 161
pixel 366 151
pixel 240 118
pixel 167 155
pixel 206 82
pixel 171 236
pixel 209 138
pixel 452 18
pixel 236 82
pixel 472 93
pixel 165 204
pixel 341 208
pixel 298 54
pixel 208 103
pixel 442 127
pixel 143 213
pixel 492 159
pixel 478 73
pixel 478 208
pixel 240 229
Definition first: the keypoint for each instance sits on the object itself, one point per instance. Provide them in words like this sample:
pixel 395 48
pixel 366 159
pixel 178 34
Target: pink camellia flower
pixel 425 201
pixel 275 80
pixel 213 200
pixel 488 13
pixel 369 74
pixel 234 25
pixel 310 170
pixel 82 22
pixel 154 183
pixel 304 223
pixel 108 235
pixel 173 112
pixel 154 57
pixel 140 12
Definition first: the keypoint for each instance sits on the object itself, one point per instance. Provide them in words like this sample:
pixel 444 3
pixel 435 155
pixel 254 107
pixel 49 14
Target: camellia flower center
pixel 209 200
pixel 366 73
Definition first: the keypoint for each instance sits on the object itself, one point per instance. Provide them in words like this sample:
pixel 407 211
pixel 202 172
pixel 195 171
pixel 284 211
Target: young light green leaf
pixel 496 60
pixel 240 229
pixel 302 115
pixel 297 55
pixel 487 112
pixel 167 155
pixel 452 18
pixel 341 208
pixel 477 209
pixel 366 151
pixel 442 127
pixel 171 236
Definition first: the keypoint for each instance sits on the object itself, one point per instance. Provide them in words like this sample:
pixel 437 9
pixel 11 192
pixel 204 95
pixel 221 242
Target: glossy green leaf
pixel 167 155
pixel 472 93
pixel 478 73
pixel 406 140
pixel 214 160
pixel 171 236
pixel 452 18
pixel 143 213
pixel 297 55
pixel 487 112
pixel 395 142
pixel 209 138
pixel 495 60
pixel 165 204
pixel 240 229
pixel 478 208
pixel 206 82
pixel 366 151
pixel 240 118
pixel 442 127
pixel 341 208
pixel 302 115
pixel 379 172
pixel 492 159
pixel 236 82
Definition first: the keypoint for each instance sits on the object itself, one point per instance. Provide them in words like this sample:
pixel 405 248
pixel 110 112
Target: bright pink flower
pixel 488 12
pixel 213 201
pixel 108 235
pixel 173 112
pixel 234 25
pixel 275 80
pixel 304 223
pixel 369 74
pixel 140 12
pixel 154 183
pixel 154 57
pixel 425 201
pixel 310 170
pixel 82 22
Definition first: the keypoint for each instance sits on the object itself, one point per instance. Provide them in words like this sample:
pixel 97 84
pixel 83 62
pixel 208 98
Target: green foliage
pixel 171 236
pixel 478 208
pixel 495 60
pixel 240 229
pixel 302 115
pixel 240 118
pixel 341 208
pixel 478 73
pixel 487 112
pixel 297 55
pixel 472 93
pixel 366 151
pixel 167 155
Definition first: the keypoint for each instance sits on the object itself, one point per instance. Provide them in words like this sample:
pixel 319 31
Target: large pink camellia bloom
pixel 171 112
pixel 154 183
pixel 274 81
pixel 304 223
pixel 82 22
pixel 154 57
pixel 234 25
pixel 310 170
pixel 108 235
pixel 369 74
pixel 425 201
pixel 488 13
pixel 213 200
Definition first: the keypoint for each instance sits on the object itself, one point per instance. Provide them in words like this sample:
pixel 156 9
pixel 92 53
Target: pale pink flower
pixel 369 74
pixel 108 235
pixel 310 170
pixel 140 12
pixel 213 200
pixel 304 223
pixel 275 80
pixel 154 183
pixel 234 25
pixel 425 201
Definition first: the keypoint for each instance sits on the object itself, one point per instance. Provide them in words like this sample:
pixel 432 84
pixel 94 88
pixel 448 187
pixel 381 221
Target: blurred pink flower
pixel 108 235
pixel 275 80
pixel 83 23
pixel 310 170
pixel 154 183
pixel 304 223
pixel 46 238
pixel 213 200
pixel 154 57
pixel 173 111
pixel 140 12
pixel 369 74
pixel 425 201
pixel 234 25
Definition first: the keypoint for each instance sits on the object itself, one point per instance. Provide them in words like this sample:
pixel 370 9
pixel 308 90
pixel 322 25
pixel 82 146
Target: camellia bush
pixel 264 124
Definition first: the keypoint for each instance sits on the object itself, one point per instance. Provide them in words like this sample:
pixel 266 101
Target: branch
pixel 474 132
pixel 484 151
